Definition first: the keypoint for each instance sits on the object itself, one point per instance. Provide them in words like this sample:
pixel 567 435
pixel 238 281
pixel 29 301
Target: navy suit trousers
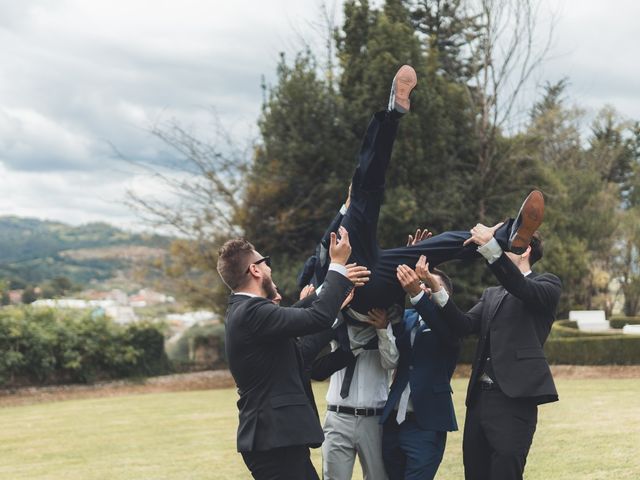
pixel 361 221
pixel 410 453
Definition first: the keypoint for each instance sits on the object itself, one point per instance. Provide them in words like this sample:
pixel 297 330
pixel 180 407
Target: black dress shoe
pixel 403 83
pixel 527 222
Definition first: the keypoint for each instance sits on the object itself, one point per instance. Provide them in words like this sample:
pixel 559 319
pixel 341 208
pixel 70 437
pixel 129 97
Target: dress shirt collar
pixel 246 293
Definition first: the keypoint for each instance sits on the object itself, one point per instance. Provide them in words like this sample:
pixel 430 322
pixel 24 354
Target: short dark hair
pixel 536 248
pixel 448 284
pixel 233 259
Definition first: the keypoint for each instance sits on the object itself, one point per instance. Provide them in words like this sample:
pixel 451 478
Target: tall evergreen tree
pixel 449 30
pixel 300 174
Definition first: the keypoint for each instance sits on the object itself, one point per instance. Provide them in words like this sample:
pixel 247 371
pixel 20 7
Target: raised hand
pixel 306 291
pixel 423 272
pixel 358 274
pixel 409 280
pixel 419 236
pixel 378 318
pixel 340 248
pixel 347 300
pixel 481 234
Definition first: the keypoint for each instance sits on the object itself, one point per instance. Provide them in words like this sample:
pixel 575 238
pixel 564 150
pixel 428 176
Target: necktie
pixel 348 376
pixel 406 393
pixel 351 368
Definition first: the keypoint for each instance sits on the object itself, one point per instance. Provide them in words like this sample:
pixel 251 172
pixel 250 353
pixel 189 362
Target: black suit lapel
pixel 494 306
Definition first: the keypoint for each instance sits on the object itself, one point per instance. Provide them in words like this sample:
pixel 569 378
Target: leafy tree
pixel 627 262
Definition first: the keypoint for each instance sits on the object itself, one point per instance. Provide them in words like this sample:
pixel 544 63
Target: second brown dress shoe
pixel 527 222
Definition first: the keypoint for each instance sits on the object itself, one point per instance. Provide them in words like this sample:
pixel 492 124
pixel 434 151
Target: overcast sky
pixel 78 76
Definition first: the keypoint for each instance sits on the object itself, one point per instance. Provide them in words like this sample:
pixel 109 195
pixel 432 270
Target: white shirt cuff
pixel 382 333
pixel 336 267
pixel 417 298
pixel 343 210
pixel 491 250
pixel 441 297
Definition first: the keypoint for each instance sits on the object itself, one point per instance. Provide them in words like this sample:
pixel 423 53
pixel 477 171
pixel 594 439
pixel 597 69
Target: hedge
pixel 602 350
pixel 44 346
pixel 569 328
pixel 619 322
pixel 568 346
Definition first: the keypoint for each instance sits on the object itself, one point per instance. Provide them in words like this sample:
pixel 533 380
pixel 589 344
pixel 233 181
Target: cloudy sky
pixel 80 76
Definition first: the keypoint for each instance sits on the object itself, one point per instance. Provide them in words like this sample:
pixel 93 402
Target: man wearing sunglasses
pixel 278 422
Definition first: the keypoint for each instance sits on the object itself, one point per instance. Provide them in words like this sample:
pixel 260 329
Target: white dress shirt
pixel 372 374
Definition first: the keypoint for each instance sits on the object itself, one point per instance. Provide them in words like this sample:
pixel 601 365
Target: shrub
pixel 54 346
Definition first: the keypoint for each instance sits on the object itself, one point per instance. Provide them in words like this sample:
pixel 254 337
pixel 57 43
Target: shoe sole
pixel 531 213
pixel 404 82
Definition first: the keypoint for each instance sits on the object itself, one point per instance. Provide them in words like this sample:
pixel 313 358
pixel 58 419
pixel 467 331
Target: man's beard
pixel 269 288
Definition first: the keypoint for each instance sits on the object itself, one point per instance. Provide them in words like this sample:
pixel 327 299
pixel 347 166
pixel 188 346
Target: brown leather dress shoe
pixel 527 222
pixel 403 83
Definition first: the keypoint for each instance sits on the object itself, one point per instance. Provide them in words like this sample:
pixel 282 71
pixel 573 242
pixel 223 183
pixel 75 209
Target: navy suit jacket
pixel 427 366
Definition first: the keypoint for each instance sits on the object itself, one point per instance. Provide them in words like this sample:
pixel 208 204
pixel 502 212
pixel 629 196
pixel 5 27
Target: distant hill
pixel 33 251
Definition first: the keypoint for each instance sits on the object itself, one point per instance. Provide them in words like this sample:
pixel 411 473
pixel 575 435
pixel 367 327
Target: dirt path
pixel 222 379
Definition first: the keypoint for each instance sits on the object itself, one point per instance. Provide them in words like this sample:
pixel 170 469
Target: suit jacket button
pixel 410 367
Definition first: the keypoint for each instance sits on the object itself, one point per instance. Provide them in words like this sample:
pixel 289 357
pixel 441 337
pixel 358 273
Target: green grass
pixel 593 433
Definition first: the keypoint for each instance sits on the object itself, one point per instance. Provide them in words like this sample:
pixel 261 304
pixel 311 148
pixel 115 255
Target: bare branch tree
pixel 202 186
pixel 507 53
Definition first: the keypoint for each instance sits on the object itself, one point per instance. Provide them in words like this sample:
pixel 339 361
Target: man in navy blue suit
pixel 419 411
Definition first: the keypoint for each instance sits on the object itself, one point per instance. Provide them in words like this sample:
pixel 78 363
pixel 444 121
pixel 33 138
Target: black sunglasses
pixel 266 260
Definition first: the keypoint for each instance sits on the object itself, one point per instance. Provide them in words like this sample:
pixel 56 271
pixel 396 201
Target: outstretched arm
pixel 458 325
pixel 323 248
pixel 271 321
pixel 462 324
pixel 325 366
pixel 541 292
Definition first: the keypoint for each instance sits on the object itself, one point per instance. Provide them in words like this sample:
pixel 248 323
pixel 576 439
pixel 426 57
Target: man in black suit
pixel 510 375
pixel 278 422
pixel 360 216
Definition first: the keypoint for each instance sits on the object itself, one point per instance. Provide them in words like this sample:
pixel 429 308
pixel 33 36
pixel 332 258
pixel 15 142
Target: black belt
pixel 358 412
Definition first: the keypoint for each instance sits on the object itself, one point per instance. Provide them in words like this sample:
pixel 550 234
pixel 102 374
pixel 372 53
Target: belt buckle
pixel 360 412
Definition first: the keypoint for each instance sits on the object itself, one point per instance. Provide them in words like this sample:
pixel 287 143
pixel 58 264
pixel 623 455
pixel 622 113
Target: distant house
pixel 146 297
pixel 121 314
pixel 191 318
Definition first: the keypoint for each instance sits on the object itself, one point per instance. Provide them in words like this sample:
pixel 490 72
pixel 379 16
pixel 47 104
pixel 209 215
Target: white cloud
pixel 76 197
pixel 79 75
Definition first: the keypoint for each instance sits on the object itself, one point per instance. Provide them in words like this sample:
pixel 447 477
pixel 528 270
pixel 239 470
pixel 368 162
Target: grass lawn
pixel 593 433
